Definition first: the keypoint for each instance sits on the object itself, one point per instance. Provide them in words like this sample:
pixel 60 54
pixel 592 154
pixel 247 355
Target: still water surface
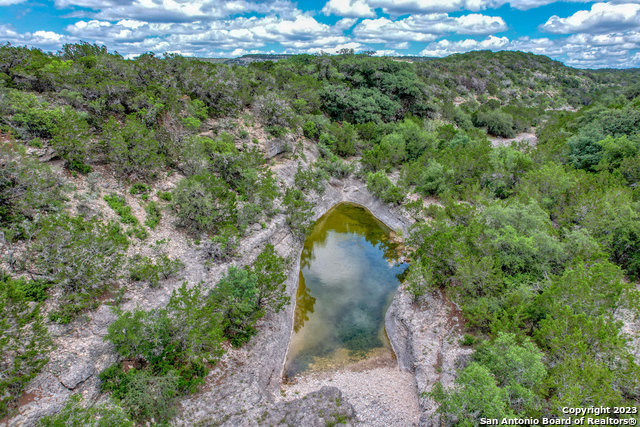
pixel 348 276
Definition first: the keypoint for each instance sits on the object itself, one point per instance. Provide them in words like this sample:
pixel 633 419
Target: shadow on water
pixel 348 275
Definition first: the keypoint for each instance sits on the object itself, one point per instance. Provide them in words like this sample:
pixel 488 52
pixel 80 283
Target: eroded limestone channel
pixel 349 272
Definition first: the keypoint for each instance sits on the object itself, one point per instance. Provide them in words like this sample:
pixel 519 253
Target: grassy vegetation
pixel 539 245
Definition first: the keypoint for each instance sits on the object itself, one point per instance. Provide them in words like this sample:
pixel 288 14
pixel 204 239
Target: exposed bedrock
pixel 425 339
pixel 240 390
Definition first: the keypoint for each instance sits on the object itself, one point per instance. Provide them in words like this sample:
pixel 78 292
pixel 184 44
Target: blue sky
pixel 582 34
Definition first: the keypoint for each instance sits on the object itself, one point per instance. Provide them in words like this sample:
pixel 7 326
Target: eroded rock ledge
pixel 253 375
pixel 240 390
pixel 425 339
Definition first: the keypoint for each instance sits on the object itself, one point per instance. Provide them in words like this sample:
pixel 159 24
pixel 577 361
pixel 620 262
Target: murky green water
pixel 348 277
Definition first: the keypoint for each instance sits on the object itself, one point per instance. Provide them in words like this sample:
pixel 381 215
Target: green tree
pixel 203 203
pixel 616 150
pixel 147 396
pixel 133 149
pixel 585 151
pixel 588 360
pixel 509 167
pixel 82 258
pixel 269 269
pixel 475 395
pixel 237 294
pixel 434 179
pixel 521 236
pixel 381 186
pixel 28 189
pixel 498 123
pixel 189 325
pixel 519 369
pixel 71 140
pixel 299 212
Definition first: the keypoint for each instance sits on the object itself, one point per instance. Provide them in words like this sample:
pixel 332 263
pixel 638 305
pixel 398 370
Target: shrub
pixel 498 123
pixel 468 340
pixel 342 139
pixel 520 235
pixel 133 149
pixel 587 356
pixel 279 132
pixel 237 296
pixel 269 269
pixel 221 246
pixel 32 290
pixel 475 395
pixel 165 195
pixel 119 205
pixel 28 189
pixel 204 203
pixel 36 143
pixel 299 212
pixel 81 257
pixel 518 368
pixel 74 414
pixel 273 111
pixel 153 215
pixel 310 130
pixel 71 139
pixel 186 331
pixel 144 395
pixel 419 281
pixel 78 166
pixel 170 345
pixel 153 270
pixel 585 151
pixel 38 122
pixel 335 166
pixel 309 179
pixel 389 153
pixel 434 179
pixel 139 188
pixel 25 341
pixel 509 167
pixel 380 185
pixel 617 150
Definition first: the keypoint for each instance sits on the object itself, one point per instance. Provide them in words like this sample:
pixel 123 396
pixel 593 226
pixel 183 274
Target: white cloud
pixel 366 8
pixel 582 50
pixel 335 49
pixel 532 4
pixel 446 47
pixel 175 10
pixel 302 33
pixel 474 24
pixel 382 30
pixel 348 8
pixel 425 28
pixel 345 23
pixel 602 18
pixel 10 2
pixel 47 40
pixel 400 45
pixel 386 52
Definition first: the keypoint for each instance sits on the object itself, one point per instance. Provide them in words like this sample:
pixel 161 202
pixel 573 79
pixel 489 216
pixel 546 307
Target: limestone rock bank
pixel 426 340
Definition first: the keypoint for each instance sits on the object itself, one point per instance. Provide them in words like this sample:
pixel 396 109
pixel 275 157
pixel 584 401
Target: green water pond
pixel 349 272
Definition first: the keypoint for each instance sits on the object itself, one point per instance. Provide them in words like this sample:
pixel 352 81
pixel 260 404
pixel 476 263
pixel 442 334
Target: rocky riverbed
pixel 246 387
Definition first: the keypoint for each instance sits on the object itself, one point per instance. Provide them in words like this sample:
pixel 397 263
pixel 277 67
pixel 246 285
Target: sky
pixel 583 34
